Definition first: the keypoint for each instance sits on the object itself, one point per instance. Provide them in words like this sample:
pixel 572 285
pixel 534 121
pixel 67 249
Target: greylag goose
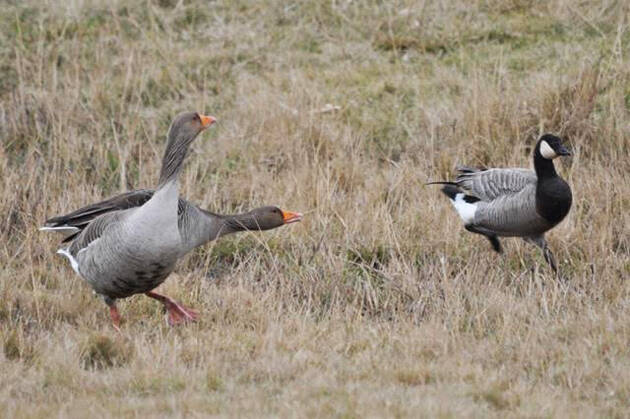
pixel 125 252
pixel 196 225
pixel 514 202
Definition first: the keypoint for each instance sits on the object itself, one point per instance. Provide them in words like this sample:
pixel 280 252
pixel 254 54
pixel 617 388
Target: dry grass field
pixel 378 304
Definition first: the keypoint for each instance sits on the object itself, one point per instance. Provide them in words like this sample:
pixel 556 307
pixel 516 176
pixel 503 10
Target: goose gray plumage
pixel 131 251
pixel 196 225
pixel 514 202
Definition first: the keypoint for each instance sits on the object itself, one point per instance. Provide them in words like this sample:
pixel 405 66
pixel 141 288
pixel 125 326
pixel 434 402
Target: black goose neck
pixel 553 195
pixel 545 168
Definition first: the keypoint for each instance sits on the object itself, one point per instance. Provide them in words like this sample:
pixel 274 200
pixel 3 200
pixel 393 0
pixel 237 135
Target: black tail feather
pixel 77 217
pixel 71 237
pixel 451 190
pixel 441 182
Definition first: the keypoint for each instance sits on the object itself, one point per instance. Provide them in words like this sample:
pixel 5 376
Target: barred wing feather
pixel 491 184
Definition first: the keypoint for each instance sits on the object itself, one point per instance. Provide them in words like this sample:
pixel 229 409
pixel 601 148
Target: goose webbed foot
pixel 177 313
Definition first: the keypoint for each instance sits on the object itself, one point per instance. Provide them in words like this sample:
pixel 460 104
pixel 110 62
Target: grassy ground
pixel 377 304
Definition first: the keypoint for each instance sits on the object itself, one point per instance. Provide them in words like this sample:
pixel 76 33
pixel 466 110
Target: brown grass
pixel 378 304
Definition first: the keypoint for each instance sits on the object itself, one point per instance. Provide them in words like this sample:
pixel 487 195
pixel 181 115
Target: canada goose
pixel 514 202
pixel 196 226
pixel 132 251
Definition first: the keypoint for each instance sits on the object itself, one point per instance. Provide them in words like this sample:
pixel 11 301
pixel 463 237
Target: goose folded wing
pixel 491 184
pixel 94 230
pixel 83 216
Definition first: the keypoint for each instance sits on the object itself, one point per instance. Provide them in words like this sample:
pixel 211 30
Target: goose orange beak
pixel 291 217
pixel 206 121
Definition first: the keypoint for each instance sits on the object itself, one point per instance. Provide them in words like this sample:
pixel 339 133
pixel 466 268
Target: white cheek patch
pixel 546 151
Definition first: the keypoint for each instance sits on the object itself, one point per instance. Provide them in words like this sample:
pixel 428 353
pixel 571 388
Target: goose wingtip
pixel 61 229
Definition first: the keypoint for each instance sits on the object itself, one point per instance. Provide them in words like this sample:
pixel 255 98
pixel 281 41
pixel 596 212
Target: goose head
pixel 187 125
pixel 264 218
pixel 549 147
pixel 184 129
pixel 270 217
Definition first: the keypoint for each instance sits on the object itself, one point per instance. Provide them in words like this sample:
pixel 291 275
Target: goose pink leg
pixel 115 315
pixel 177 313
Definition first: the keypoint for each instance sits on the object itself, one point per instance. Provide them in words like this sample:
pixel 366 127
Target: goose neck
pixel 174 156
pixel 544 168
pixel 240 222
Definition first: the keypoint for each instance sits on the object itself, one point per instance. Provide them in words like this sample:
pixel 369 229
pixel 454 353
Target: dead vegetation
pixel 376 304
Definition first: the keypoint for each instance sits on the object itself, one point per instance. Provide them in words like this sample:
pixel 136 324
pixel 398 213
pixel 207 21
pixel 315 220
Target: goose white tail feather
pixel 73 261
pixel 466 210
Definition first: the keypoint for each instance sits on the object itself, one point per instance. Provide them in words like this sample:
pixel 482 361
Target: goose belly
pixel 127 267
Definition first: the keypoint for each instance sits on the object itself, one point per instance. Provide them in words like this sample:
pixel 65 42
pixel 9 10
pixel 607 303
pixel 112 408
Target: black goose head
pixel 549 147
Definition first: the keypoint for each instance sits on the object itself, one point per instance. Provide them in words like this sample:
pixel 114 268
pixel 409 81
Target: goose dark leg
pixel 493 238
pixel 177 313
pixel 496 244
pixel 547 253
pixel 551 260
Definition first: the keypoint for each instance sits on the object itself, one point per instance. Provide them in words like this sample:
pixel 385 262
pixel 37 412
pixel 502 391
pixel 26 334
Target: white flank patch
pixel 466 210
pixel 73 261
pixel 546 151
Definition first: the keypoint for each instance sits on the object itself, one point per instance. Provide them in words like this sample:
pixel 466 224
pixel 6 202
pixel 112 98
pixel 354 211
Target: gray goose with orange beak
pixel 131 251
pixel 129 244
pixel 197 226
